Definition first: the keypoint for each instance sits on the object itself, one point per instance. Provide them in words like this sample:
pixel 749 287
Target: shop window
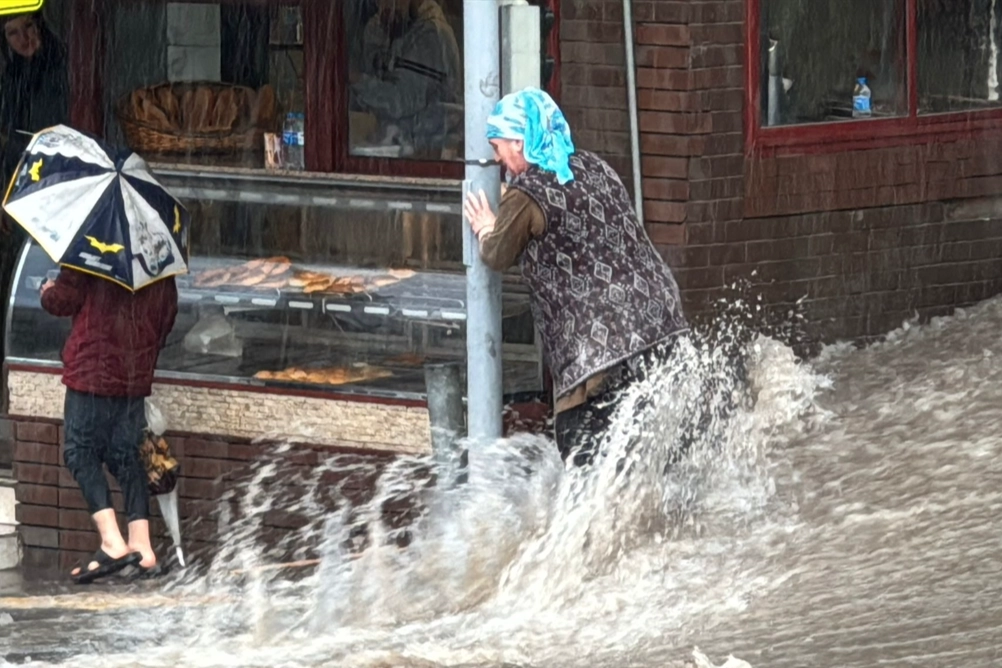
pixel 958 55
pixel 405 78
pixel 815 52
pixel 205 83
pixel 829 72
pixel 296 298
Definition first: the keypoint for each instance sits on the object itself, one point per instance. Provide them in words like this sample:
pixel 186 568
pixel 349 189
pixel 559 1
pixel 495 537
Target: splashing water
pixel 527 563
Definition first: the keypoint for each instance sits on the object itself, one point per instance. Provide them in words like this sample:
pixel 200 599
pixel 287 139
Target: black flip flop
pixel 157 570
pixel 106 565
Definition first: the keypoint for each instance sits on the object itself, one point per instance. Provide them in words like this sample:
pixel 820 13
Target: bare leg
pixel 111 537
pixel 139 541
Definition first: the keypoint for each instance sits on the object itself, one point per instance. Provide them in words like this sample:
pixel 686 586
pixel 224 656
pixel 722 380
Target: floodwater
pixel 848 515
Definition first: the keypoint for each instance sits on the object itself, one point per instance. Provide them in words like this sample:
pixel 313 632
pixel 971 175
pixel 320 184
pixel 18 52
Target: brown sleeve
pixel 519 220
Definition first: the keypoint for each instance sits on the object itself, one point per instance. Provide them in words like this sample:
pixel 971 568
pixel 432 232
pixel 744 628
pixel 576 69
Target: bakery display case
pixel 315 285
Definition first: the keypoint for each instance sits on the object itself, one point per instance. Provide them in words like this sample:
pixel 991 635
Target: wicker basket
pixel 144 138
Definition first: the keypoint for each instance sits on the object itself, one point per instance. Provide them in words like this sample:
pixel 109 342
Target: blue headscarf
pixel 532 116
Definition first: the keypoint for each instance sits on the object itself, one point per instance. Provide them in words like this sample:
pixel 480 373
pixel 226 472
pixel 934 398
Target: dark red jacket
pixel 116 336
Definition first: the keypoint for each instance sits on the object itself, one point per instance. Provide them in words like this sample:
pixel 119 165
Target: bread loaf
pixel 225 112
pixel 153 116
pixel 187 109
pixel 168 103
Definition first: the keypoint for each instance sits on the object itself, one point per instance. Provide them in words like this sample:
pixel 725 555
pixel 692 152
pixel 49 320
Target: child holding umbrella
pixel 120 239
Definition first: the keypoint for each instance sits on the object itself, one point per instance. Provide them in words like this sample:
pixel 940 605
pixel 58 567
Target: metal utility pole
pixel 481 45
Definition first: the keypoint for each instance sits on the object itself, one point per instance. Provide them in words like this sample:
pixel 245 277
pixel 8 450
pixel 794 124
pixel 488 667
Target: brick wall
pixel 593 79
pixel 855 241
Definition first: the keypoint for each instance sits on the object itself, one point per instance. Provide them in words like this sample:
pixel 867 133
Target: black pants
pixel 107 431
pixel 579 430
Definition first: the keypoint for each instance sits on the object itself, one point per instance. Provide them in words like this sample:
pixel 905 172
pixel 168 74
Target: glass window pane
pixel 405 72
pixel 203 83
pixel 958 55
pixel 813 53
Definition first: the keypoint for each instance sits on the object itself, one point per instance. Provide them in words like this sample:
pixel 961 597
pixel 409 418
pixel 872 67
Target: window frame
pixel 326 101
pixel 837 136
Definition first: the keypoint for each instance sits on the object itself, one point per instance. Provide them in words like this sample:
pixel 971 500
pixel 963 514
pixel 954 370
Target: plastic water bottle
pixel 861 99
pixel 294 142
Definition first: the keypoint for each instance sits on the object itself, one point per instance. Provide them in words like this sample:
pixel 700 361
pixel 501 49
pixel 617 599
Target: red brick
pixel 589 97
pixel 70 559
pixel 661 100
pixel 716 167
pixel 726 121
pixel 723 144
pixel 704 277
pixel 38 516
pixel 717 34
pixel 205 449
pixel 661 11
pixel 776 249
pixel 716 189
pixel 664 212
pixel 666 234
pixel 38 432
pixel 582 10
pixel 36 494
pixel 589 31
pixel 717 211
pixel 197 489
pixel 71 498
pixel 243 452
pixel 596 53
pixel 665 34
pixel 723 100
pixel 66 478
pixel 722 254
pixel 40 474
pixel 718 12
pixel 75 520
pixel 672 57
pixel 204 468
pixel 666 189
pixel 674 123
pixel 606 120
pixel 717 55
pixel 731 76
pixel 39 453
pixel 675 145
pixel 662 79
pixel 81 541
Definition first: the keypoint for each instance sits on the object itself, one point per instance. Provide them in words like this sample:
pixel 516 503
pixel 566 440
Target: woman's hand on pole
pixel 478 213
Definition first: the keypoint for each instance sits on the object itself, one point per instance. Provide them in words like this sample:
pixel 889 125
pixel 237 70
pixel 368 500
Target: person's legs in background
pixel 85 420
pixel 125 464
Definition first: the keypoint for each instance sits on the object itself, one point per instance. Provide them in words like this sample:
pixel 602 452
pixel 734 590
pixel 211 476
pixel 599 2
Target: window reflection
pixel 405 69
pixel 813 53
pixel 958 55
pixel 200 82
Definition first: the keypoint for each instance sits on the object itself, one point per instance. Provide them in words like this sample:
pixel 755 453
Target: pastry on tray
pixel 407 359
pixel 277 273
pixel 326 376
pixel 263 273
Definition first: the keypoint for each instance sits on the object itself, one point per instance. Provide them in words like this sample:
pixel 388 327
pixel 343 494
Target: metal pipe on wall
pixel 631 94
pixel 481 47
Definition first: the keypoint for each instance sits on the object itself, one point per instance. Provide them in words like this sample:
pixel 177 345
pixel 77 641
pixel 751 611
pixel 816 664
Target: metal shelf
pixel 351 192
